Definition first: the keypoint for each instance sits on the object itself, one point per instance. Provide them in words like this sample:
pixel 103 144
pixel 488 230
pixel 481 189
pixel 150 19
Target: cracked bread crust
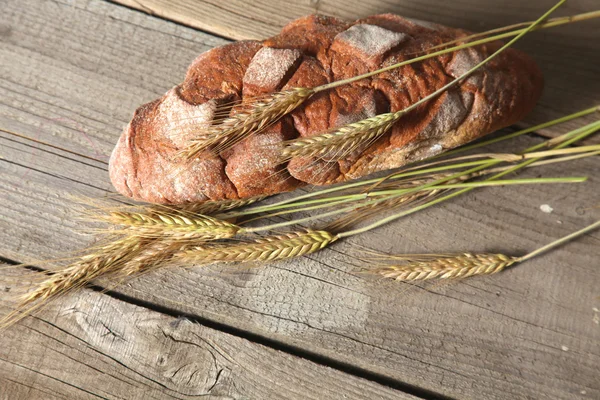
pixel 311 51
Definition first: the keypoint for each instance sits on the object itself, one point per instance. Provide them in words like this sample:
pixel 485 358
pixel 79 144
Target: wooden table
pixel 71 74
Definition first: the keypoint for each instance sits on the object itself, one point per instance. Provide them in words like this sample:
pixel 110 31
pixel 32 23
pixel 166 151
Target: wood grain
pixel 498 337
pixel 568 55
pixel 90 346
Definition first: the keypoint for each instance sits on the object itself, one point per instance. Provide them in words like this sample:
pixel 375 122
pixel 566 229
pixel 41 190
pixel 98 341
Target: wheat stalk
pixel 257 116
pixel 448 267
pixel 340 142
pixel 269 248
pixel 516 28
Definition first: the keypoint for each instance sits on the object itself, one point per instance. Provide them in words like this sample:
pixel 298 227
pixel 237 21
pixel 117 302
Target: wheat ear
pixel 104 259
pixel 74 276
pixel 269 248
pixel 340 142
pixel 448 267
pixel 253 119
pixel 364 212
pixel 423 267
pixel 179 226
pixel 395 201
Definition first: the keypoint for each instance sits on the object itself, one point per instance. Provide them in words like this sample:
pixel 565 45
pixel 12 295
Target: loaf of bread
pixel 312 51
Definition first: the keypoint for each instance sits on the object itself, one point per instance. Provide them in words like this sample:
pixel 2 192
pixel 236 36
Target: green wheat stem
pixel 390 194
pixel 393 193
pixel 333 201
pixel 548 24
pixel 524 164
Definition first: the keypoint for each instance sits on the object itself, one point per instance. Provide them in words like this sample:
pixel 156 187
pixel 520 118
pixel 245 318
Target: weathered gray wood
pixel 499 337
pixel 568 56
pixel 90 346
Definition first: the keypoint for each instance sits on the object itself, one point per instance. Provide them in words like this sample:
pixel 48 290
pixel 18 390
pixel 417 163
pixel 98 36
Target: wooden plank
pixel 91 346
pixel 568 56
pixel 499 337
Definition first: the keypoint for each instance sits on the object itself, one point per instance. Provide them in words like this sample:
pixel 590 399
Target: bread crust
pixel 309 52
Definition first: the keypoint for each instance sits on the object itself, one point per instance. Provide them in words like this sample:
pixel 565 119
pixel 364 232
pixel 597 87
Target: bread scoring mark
pixel 451 113
pixel 313 116
pixel 367 108
pixel 254 165
pixel 217 74
pixel 367 111
pixel 181 120
pixel 268 69
pixel 370 40
pixel 463 61
pixel 394 157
